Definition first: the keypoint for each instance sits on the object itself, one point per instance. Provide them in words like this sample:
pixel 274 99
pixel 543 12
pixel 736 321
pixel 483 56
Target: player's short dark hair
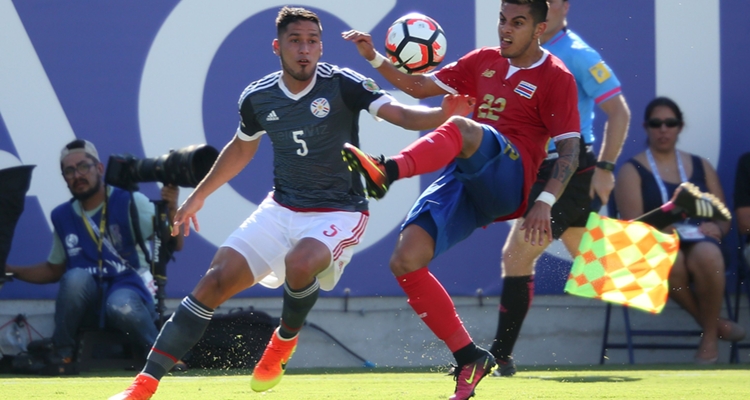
pixel 665 102
pixel 287 15
pixel 537 8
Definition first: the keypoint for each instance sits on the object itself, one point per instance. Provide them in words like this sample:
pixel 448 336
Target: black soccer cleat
pixel 505 367
pixel 370 167
pixel 697 204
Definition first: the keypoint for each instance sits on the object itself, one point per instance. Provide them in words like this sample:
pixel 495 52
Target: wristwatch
pixel 606 165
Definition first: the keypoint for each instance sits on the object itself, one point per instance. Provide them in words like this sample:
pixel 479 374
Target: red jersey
pixel 527 105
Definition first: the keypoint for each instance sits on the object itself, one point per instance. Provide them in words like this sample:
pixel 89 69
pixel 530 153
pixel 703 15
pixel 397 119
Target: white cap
pixel 79 146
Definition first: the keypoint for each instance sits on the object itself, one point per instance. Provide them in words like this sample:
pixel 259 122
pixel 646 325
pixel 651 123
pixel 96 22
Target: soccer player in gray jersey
pixel 303 234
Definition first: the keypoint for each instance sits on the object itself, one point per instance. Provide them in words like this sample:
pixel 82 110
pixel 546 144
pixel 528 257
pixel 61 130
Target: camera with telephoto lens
pixel 184 167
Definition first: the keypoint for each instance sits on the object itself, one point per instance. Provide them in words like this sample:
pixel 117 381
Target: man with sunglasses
pixel 104 278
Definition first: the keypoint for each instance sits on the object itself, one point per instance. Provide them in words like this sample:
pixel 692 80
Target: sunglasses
pixel 657 123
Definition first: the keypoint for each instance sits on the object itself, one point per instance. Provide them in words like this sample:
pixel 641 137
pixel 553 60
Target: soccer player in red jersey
pixel 525 96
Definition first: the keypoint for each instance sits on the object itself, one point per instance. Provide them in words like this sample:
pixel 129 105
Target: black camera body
pixel 184 167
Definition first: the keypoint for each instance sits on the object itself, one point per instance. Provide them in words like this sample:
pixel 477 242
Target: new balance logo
pixel 488 73
pixel 272 116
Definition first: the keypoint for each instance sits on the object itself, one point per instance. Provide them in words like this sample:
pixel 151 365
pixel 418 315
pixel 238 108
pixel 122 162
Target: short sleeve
pixel 459 77
pixel 560 107
pixel 249 128
pixel 594 76
pixel 57 253
pixel 359 91
pixel 146 212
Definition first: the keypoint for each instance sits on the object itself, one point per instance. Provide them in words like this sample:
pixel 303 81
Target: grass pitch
pixel 608 382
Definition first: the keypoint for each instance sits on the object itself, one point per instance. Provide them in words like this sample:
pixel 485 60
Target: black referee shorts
pixel 573 207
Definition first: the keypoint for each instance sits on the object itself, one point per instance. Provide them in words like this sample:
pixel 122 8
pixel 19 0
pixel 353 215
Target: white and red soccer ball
pixel 415 43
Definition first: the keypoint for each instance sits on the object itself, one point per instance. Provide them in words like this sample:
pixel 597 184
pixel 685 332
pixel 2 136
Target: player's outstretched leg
pixel 699 204
pixel 143 387
pixel 272 365
pixel 468 376
pixel 371 168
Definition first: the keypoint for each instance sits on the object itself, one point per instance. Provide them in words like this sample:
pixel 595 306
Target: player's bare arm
pixel 537 224
pixel 565 165
pixel 417 86
pixel 232 159
pixel 615 132
pixel 628 193
pixel 419 118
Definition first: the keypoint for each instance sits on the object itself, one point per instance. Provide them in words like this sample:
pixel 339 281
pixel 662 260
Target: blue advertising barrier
pixel 143 77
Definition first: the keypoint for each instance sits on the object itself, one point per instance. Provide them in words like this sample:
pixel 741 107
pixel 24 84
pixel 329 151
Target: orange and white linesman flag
pixel 624 262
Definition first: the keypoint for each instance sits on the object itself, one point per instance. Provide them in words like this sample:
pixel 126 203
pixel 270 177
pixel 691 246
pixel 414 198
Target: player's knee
pixel 403 262
pixel 301 274
pixel 514 264
pixel 304 263
pixel 212 287
pixel 471 132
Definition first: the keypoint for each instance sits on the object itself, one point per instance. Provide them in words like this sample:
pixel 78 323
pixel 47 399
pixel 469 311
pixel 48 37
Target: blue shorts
pixel 471 193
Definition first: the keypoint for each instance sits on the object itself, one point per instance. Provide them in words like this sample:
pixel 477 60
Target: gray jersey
pixel 308 131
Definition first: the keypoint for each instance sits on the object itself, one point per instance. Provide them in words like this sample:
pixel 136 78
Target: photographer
pixel 103 274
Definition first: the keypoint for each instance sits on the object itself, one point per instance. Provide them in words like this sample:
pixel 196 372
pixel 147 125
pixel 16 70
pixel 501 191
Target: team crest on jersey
pixel 600 72
pixel 320 107
pixel 370 85
pixel 525 89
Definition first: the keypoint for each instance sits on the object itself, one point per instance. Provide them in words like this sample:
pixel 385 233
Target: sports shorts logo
pixel 335 230
pixel 320 107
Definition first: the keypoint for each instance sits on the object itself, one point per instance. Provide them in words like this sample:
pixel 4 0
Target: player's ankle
pixel 391 169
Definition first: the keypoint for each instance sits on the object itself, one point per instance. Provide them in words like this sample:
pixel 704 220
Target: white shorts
pixel 272 230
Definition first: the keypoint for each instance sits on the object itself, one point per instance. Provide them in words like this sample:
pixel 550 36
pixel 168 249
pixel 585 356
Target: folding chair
pixel 742 284
pixel 631 345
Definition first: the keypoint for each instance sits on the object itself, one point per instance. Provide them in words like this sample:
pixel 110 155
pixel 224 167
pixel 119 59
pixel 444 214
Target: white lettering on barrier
pixel 35 120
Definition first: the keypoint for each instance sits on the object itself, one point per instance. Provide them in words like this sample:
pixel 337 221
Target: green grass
pixel 671 381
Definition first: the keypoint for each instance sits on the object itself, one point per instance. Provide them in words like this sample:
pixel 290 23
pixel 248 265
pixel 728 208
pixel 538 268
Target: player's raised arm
pixel 418 86
pixel 419 118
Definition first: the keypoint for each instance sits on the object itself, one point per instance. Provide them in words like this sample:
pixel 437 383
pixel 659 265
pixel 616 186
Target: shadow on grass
pixel 585 379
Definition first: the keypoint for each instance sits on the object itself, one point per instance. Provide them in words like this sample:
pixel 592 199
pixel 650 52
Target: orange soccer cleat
pixel 370 167
pixel 270 369
pixel 143 387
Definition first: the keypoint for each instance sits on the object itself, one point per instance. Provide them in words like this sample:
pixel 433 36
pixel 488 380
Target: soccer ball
pixel 415 43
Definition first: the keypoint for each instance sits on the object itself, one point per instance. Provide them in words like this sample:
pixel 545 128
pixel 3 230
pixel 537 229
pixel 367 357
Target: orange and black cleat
pixel 370 167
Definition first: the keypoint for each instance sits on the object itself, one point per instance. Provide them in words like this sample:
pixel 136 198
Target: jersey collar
pixel 512 69
pixel 301 94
